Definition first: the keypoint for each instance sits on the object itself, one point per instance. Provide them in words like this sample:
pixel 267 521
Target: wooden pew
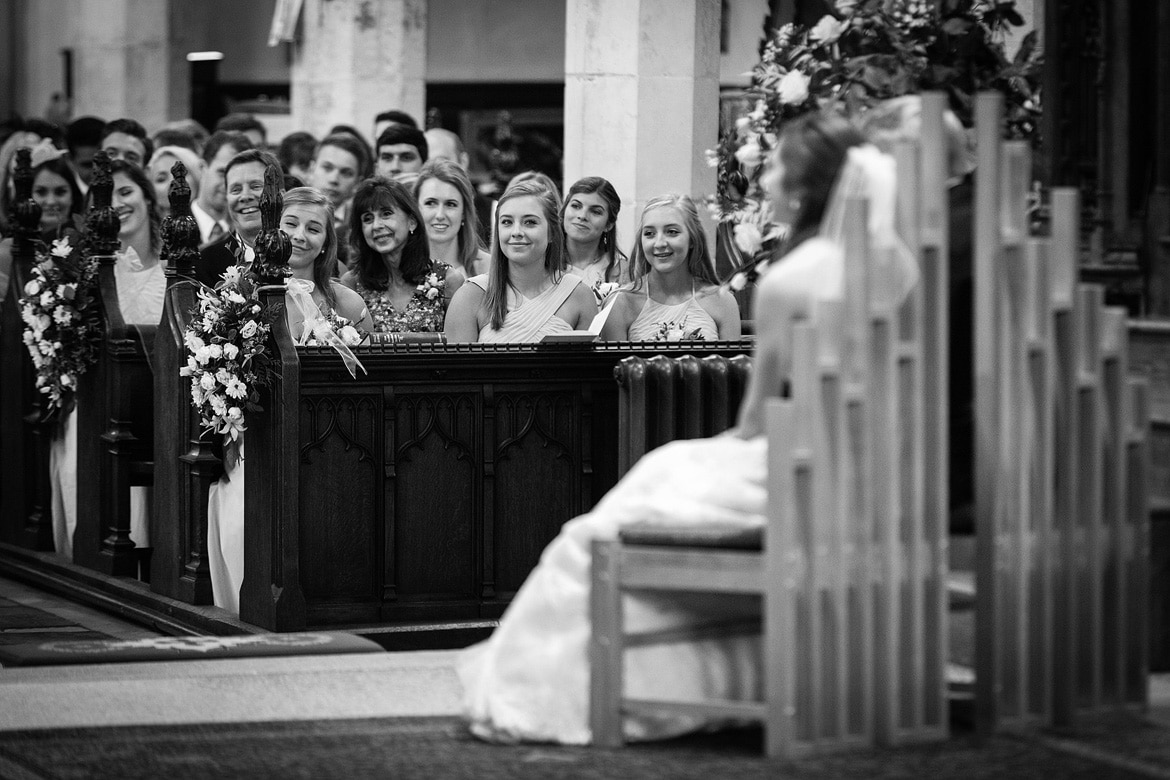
pixel 25 501
pixel 115 425
pixel 185 463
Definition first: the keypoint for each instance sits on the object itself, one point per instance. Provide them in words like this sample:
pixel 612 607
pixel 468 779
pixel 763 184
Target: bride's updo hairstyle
pixel 813 150
pixel 325 264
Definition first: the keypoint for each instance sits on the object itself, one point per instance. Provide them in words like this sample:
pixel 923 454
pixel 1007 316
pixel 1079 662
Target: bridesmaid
pixel 446 201
pixel 308 220
pixel 675 295
pixel 393 272
pixel 527 294
pixel 589 219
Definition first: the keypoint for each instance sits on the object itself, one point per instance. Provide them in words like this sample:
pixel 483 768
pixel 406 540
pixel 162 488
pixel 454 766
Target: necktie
pixel 217 232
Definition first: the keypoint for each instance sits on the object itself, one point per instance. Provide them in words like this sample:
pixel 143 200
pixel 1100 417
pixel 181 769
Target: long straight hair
pixel 499 279
pixel 452 173
pixel 613 204
pixel 138 176
pixel 325 263
pixel 699 262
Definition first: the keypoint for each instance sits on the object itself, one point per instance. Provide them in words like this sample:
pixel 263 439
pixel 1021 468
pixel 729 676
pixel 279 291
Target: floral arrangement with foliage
pixel 62 323
pixel 349 333
pixel 602 289
pixel 676 331
pixel 226 358
pixel 866 52
pixel 432 286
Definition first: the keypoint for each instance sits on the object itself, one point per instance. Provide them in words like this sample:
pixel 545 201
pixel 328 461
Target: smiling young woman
pixel 675 295
pixel 527 294
pixel 446 201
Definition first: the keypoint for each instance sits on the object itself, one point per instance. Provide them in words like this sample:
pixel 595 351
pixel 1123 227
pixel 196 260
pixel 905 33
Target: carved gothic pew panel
pixel 427 488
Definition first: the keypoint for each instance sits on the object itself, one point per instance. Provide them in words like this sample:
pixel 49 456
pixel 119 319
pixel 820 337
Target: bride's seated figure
pixel 141 287
pixel 405 290
pixel 530 679
pixel 526 293
pixel 675 295
pixel 315 304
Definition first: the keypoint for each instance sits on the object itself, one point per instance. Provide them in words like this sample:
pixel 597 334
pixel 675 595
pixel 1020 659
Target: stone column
pixel 642 98
pixel 122 60
pixel 356 59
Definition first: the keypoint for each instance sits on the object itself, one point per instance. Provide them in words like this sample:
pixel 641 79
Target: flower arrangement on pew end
pixel 226 357
pixel 866 52
pixel 62 323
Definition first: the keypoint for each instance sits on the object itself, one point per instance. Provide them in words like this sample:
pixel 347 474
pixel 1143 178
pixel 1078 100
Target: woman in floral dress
pixel 404 289
pixel 675 295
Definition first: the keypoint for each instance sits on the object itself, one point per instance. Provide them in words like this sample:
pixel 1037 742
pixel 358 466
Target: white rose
pixel 43 322
pixel 793 87
pixel 202 355
pixel 236 298
pixel 207 382
pixel 249 329
pixel 230 351
pixel 748 238
pixel 215 350
pixel 349 336
pixel 32 288
pixel 47 299
pixel 827 30
pixel 749 154
pixel 432 293
pixel 235 413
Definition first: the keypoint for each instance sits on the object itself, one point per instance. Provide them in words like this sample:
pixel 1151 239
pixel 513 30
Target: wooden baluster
pixel 271 593
pixel 25 496
pixel 185 464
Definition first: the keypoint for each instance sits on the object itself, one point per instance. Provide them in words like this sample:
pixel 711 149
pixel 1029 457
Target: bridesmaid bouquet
pixel 62 324
pixel 676 331
pixel 226 358
pixel 345 329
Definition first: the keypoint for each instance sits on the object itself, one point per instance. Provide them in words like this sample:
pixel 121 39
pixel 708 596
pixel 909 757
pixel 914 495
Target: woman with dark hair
pixel 446 200
pixel 589 220
pixel 526 295
pixel 530 679
pixel 675 295
pixel 393 272
pixel 56 191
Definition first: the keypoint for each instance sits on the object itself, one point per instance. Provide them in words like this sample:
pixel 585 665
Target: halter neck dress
pixel 530 319
pixel 688 317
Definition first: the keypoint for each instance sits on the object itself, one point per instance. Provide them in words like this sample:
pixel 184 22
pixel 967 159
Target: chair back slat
pixel 1062 551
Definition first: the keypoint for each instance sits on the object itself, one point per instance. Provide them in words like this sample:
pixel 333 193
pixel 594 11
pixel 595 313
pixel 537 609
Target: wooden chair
pixel 853 575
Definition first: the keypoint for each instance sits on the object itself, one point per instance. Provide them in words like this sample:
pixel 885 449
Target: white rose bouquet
pixel 865 52
pixel 62 324
pixel 226 356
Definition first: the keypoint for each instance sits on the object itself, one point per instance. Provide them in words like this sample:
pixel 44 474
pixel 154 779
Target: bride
pixel 530 679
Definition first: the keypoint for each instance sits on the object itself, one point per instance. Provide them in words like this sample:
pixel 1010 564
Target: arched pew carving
pixel 185 462
pixel 25 499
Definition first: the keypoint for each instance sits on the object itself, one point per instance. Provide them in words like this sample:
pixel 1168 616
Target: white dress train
pixel 530 680
pixel 225 535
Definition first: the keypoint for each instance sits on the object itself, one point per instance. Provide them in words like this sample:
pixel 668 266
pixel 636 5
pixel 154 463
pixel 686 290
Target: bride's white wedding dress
pixel 530 679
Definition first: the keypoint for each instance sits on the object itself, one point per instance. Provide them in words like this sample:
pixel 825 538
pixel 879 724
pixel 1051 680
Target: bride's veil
pixel 869 173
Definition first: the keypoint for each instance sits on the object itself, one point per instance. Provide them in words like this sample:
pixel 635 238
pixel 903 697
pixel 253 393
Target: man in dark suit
pixel 244 175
